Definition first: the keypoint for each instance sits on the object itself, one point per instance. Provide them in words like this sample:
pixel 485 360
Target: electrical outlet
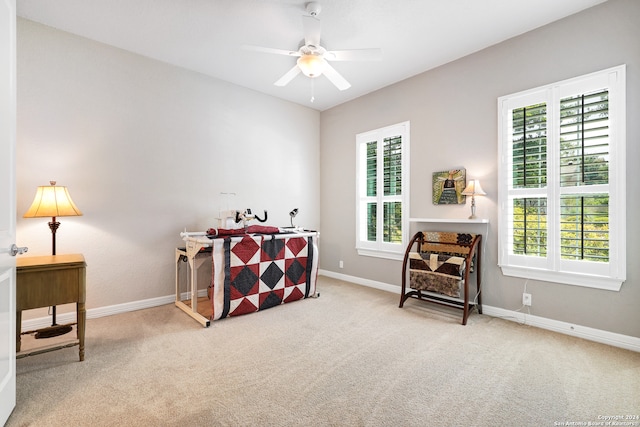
pixel 341 264
pixel 526 299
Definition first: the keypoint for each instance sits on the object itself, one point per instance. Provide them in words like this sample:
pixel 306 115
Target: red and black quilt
pixel 256 272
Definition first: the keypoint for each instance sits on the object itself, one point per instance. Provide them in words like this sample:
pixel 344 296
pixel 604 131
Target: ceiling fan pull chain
pixel 313 90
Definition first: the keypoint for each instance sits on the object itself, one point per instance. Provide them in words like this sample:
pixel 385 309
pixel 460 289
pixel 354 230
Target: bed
pixel 251 270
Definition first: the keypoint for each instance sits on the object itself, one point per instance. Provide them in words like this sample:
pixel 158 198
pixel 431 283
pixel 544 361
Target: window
pixel 562 178
pixel 382 202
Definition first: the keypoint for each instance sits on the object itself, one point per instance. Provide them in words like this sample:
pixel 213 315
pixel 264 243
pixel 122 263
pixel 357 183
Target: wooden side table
pixel 45 281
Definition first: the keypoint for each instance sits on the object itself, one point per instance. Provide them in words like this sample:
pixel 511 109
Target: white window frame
pixel 379 248
pixel 552 268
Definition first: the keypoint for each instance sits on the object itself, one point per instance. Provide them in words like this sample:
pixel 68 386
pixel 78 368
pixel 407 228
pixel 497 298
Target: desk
pixel 45 281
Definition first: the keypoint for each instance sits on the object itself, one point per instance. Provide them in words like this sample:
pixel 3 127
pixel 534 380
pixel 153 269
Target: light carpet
pixel 348 358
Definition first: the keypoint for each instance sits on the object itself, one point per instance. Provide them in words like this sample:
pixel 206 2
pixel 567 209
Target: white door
pixel 7 208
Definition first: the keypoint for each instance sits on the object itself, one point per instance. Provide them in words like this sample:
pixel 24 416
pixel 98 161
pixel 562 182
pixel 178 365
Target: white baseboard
pixel 360 281
pixel 591 334
pixel 93 313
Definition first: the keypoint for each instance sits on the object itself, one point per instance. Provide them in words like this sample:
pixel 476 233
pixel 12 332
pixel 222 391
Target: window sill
pixel 584 280
pixel 381 254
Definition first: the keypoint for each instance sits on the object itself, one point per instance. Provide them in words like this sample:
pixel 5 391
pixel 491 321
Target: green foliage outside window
pixel 584 227
pixel 584 139
pixel 584 224
pixel 530 227
pixel 372 168
pixel 392 166
pixel 392 222
pixel 584 152
pixel 392 172
pixel 372 218
pixel 530 146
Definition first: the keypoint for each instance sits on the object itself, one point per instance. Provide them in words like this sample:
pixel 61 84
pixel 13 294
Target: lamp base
pixel 53 331
pixel 473 207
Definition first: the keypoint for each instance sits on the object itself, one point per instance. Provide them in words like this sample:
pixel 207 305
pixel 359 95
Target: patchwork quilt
pixel 436 272
pixel 256 272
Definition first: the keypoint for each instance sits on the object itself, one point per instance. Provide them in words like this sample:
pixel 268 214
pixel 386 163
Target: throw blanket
pixel 252 229
pixel 256 272
pixel 436 272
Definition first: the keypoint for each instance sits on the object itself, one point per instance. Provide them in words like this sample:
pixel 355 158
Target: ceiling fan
pixel 313 58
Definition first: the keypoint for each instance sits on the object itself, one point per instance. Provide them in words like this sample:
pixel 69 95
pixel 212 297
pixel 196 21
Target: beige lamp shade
pixel 473 188
pixel 52 201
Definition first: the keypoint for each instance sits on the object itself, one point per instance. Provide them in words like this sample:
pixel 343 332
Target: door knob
pixel 14 250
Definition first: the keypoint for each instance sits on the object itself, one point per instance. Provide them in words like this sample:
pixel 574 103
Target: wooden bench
pixel 439 267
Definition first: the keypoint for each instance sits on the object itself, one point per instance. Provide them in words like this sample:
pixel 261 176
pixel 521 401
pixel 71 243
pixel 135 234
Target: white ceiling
pixel 207 35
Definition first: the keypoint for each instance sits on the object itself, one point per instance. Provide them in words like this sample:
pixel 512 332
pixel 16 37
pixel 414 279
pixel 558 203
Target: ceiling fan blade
pixel 284 80
pixel 335 78
pixel 311 27
pixel 374 54
pixel 270 50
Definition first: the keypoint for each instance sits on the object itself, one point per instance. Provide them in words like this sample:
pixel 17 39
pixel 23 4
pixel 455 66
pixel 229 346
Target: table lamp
pixel 52 201
pixel 293 214
pixel 473 189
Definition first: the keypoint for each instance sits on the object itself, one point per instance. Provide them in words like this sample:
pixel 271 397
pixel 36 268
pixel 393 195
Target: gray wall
pixel 453 114
pixel 145 149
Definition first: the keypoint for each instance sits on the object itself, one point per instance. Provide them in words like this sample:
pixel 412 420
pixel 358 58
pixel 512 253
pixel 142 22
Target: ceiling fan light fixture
pixel 311 65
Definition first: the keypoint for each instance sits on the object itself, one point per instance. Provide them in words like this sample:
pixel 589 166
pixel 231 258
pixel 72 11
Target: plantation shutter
pixel 562 181
pixel 529 159
pixel 584 154
pixel 372 190
pixel 392 173
pixel 530 146
pixel 382 187
pixel 584 139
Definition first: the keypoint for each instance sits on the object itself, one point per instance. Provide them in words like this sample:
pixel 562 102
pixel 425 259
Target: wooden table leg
pixel 18 329
pixel 81 317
